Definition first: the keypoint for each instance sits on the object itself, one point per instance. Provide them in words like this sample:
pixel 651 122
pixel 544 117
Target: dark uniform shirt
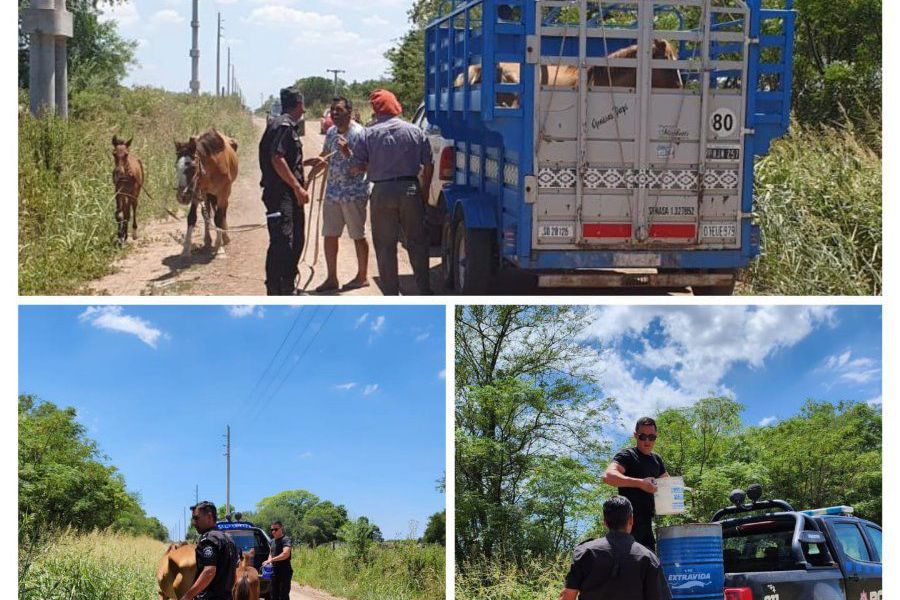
pixel 282 136
pixel 215 548
pixel 278 546
pixel 616 567
pixel 639 465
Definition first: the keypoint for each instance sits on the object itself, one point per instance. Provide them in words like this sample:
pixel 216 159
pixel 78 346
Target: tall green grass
pixel 404 571
pixel 818 199
pixel 95 566
pixel 66 199
pixel 535 579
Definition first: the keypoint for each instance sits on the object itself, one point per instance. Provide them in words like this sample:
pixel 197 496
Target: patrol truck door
pixel 859 562
pixel 639 123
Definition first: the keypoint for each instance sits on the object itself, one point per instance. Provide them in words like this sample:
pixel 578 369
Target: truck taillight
pixel 738 594
pixel 447 166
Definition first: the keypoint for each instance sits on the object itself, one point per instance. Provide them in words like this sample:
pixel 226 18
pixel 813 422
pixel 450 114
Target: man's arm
pixel 615 476
pixel 206 576
pixel 427 175
pixel 285 555
pixel 655 586
pixel 568 594
pixel 284 171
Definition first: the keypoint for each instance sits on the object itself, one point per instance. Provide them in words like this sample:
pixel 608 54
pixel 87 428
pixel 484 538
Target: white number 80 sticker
pixel 723 122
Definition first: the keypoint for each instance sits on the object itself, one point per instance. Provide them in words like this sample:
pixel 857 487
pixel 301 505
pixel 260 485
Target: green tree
pixel 318 91
pixel 358 535
pixel 321 523
pixel 290 507
pixel 436 529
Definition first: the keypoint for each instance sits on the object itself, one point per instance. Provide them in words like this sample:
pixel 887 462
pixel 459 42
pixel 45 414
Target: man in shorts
pixel 345 196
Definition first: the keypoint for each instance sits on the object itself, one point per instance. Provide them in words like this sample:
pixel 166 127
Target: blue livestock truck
pixel 604 144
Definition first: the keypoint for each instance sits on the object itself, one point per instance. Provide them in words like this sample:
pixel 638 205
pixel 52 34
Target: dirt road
pixel 304 592
pixel 154 265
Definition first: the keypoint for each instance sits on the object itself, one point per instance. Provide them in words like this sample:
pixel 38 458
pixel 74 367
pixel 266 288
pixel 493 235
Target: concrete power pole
pixel 228 74
pixel 335 71
pixel 48 24
pixel 195 51
pixel 227 470
pixel 218 52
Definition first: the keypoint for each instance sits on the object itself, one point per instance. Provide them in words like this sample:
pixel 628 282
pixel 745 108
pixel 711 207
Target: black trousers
pixel 643 533
pixel 285 220
pixel 281 585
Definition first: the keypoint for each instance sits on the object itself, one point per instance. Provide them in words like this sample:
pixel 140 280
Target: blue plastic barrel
pixel 691 557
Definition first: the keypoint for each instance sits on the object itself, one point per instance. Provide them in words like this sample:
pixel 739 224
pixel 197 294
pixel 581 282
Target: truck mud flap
pixel 648 278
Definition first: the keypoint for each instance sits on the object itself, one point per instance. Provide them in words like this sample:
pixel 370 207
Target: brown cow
pixel 206 167
pixel 246 579
pixel 176 571
pixel 128 179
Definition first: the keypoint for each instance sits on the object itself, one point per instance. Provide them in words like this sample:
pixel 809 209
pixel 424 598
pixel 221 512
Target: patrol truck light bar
pixel 831 510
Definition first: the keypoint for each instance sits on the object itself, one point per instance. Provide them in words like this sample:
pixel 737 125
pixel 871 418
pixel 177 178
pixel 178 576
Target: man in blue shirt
pixel 346 196
pixel 394 151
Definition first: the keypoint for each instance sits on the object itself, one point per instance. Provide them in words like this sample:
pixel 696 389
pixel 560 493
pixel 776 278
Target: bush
pixel 818 199
pixel 532 579
pixel 66 198
pixel 393 571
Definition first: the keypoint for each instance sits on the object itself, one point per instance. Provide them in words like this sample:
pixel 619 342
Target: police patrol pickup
pixel 780 553
pixel 246 536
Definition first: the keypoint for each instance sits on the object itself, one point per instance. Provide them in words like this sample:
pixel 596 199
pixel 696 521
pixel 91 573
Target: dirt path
pixel 154 265
pixel 304 592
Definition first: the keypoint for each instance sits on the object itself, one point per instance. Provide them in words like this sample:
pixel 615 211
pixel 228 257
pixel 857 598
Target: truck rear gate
pixel 593 134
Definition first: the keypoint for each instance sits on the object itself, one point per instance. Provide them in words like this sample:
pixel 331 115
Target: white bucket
pixel 669 496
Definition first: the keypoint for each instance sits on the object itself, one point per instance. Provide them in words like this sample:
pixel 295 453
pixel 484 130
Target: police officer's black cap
pixel 290 97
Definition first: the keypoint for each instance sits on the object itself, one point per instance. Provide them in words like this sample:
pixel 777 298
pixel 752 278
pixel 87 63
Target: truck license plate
pixel 718 230
pixel 726 153
pixel 556 231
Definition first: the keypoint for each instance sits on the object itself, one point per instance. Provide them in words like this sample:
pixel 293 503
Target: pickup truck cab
pixel 785 554
pixel 247 536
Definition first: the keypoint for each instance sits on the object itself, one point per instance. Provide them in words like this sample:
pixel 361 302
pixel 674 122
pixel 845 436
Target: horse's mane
pixel 210 142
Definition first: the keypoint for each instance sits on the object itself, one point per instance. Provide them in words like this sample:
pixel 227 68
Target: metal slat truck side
pixel 606 143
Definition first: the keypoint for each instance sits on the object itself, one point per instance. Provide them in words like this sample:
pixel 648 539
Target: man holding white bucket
pixel 635 471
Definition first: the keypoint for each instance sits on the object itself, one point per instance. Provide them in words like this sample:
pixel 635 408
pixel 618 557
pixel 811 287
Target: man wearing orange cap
pixel 394 152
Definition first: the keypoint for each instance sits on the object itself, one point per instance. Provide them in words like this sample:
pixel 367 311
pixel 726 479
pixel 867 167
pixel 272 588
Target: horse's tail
pixel 242 590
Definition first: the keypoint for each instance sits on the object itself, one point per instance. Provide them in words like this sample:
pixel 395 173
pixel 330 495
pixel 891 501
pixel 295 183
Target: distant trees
pixel 64 480
pixel 436 529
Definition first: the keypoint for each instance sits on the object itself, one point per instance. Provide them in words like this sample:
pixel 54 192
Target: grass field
pixel 96 566
pixel 397 572
pixel 537 579
pixel 818 202
pixel 66 198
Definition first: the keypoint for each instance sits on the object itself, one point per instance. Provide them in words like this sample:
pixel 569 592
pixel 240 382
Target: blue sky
pixel 273 42
pixel 770 358
pixel 359 419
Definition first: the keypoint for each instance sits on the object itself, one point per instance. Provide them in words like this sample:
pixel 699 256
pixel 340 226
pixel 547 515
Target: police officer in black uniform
pixel 216 557
pixel 280 559
pixel 284 193
pixel 615 567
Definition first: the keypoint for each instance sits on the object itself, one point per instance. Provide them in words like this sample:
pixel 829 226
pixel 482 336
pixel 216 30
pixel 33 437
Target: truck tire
pixel 472 257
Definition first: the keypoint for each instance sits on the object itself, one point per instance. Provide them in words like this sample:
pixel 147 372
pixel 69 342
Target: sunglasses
pixel 644 437
pixel 274 529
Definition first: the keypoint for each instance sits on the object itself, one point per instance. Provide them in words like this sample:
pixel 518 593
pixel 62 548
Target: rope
pixel 316 195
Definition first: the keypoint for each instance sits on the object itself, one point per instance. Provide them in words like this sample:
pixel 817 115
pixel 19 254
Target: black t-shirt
pixel 615 567
pixel 278 546
pixel 639 465
pixel 216 548
pixel 281 137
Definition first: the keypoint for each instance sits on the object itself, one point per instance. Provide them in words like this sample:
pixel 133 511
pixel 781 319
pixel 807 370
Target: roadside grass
pixel 535 579
pixel 94 566
pixel 818 202
pixel 404 571
pixel 66 202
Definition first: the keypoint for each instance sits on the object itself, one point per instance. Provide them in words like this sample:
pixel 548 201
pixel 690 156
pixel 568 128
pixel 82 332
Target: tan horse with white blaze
pixel 206 168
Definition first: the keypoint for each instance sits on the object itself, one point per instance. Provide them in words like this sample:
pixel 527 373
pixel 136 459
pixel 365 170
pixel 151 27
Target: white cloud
pixel 166 16
pixel 851 370
pixel 346 386
pixel 378 324
pixel 361 321
pixel 423 336
pixel 442 374
pixel 875 402
pixel 305 455
pixel 123 14
pixel 370 389
pixel 113 318
pixel 375 21
pixel 277 14
pixel 240 311
pixel 768 421
pixel 689 350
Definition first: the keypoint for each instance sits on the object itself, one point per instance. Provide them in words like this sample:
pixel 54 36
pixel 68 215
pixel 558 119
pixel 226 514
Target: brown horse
pixel 176 571
pixel 206 167
pixel 246 579
pixel 627 76
pixel 128 179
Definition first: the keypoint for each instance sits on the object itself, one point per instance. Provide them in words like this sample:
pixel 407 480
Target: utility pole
pixel 195 51
pixel 196 493
pixel 227 470
pixel 48 24
pixel 228 73
pixel 218 51
pixel 335 71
